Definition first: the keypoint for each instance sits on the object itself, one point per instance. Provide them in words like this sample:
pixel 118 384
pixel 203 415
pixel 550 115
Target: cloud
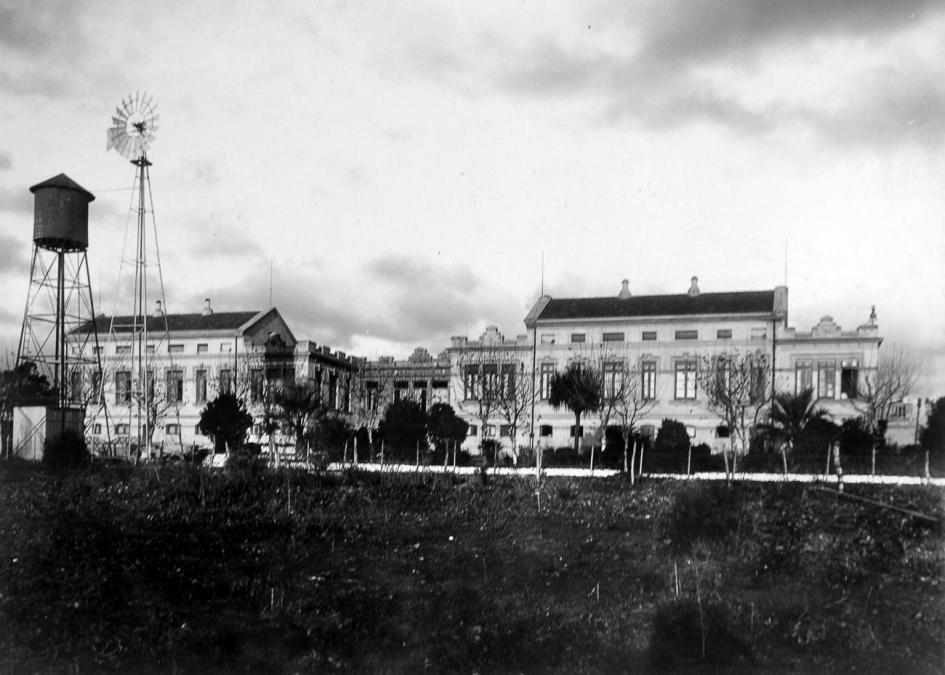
pixel 223 242
pixel 13 256
pixel 6 162
pixel 16 200
pixel 690 32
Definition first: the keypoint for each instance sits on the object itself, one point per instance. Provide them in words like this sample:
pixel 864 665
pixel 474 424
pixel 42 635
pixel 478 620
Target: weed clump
pixel 66 451
pixel 708 512
pixel 689 632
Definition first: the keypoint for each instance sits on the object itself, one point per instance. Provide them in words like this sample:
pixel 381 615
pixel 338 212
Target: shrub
pixel 672 437
pixel 689 632
pixel 66 451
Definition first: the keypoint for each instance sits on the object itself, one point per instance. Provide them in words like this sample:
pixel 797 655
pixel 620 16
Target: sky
pixel 401 172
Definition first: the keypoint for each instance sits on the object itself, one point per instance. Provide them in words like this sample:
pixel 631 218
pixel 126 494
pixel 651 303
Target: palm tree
pixel 578 390
pixel 791 417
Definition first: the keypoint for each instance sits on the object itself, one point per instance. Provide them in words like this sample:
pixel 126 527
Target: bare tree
pixel 481 373
pixel 638 397
pixel 515 398
pixel 894 379
pixel 615 382
pixel 737 388
pixel 372 392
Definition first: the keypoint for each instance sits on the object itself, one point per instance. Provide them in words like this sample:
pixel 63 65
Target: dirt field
pixel 182 570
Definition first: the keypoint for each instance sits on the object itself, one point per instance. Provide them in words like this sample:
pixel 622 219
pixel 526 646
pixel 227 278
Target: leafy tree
pixel 444 426
pixel 404 425
pixel 225 419
pixel 331 431
pixel 298 407
pixel 792 417
pixel 578 390
pixel 672 436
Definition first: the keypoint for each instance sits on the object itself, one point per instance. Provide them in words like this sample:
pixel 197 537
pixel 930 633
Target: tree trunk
pixel 577 431
pixel 689 461
pixel 344 454
pixel 626 442
pixel 356 450
pixel 382 452
pixel 784 457
pixel 927 474
pixel 593 445
pixel 873 458
pixel 827 467
pixel 418 454
pixel 728 475
pixel 837 466
pixel 633 463
pixel 642 448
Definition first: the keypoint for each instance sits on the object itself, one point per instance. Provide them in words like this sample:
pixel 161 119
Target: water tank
pixel 61 214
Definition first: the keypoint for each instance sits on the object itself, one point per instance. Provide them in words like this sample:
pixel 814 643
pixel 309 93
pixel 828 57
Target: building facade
pixel 662 342
pixel 190 359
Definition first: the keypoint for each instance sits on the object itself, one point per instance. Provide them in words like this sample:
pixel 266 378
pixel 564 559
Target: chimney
pixel 158 309
pixel 624 289
pixel 207 309
pixel 694 287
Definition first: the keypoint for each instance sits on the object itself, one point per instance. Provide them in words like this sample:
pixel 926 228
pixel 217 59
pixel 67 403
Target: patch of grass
pixel 181 569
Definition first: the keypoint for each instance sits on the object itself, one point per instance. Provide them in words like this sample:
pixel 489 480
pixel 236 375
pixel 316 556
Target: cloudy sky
pixel 404 168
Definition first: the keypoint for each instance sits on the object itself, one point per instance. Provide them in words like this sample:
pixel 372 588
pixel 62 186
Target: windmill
pixel 140 340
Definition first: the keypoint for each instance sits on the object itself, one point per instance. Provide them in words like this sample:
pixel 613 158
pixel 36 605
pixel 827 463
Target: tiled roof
pixel 218 321
pixel 742 302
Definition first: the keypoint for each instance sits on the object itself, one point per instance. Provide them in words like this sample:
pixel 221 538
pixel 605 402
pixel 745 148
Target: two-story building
pixel 664 341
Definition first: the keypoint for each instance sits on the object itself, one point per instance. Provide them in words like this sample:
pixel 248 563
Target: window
pixel 508 380
pixel 150 349
pixel 759 333
pixel 613 337
pixel 849 379
pixel 123 349
pixel 201 386
pixel 75 386
pixel 547 338
pixel 470 382
pixel 123 386
pixel 612 372
pixel 175 349
pixel 122 429
pixel 578 337
pixel 826 379
pixel 686 380
pixel 256 385
pixel 577 430
pixel 898 411
pixel 97 386
pixel 488 431
pixel 175 386
pixel 172 429
pixel 505 430
pixel 226 347
pixel 197 430
pixel 544 380
pixel 257 430
pixel 648 372
pixel 150 377
pixel 803 376
pixel 687 334
pixel 490 380
pixel 202 348
pixel 226 381
pixel 649 335
pixel 472 430
pixel 721 431
pixel 333 390
pixel 759 380
pixel 370 393
pixel 97 429
pixel 544 430
pixel 723 334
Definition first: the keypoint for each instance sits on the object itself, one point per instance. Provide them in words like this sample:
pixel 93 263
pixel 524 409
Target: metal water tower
pixel 59 301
